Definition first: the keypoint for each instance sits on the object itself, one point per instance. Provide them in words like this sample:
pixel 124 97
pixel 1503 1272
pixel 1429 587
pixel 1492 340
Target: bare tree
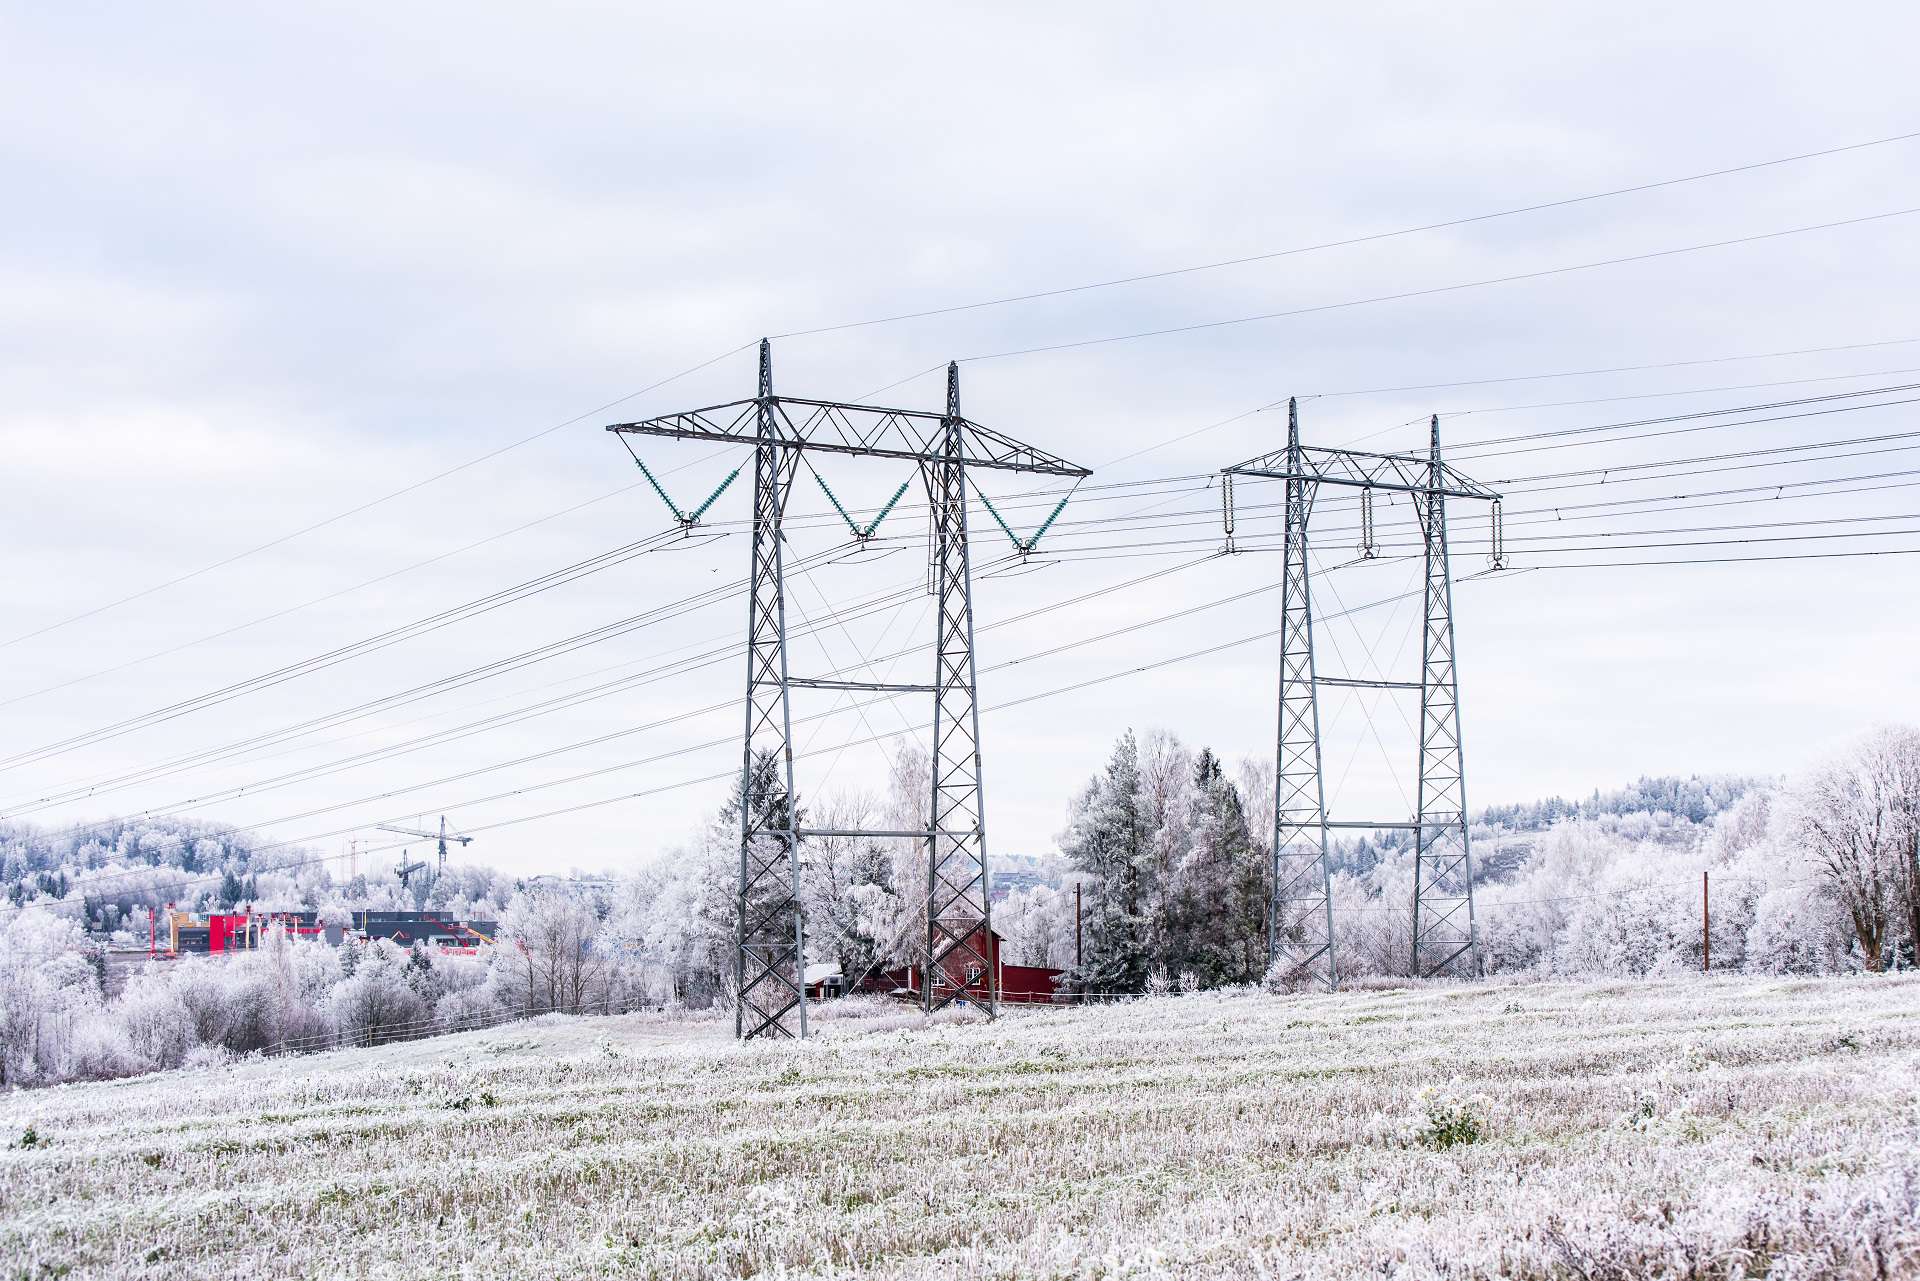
pixel 1858 815
pixel 553 933
pixel 909 801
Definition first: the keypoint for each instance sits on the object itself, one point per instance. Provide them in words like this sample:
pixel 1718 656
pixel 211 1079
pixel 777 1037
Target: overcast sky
pixel 262 267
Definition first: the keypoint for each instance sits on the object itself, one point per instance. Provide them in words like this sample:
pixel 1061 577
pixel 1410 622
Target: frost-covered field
pixel 1736 1127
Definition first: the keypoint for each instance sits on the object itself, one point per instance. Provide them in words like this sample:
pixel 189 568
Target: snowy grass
pixel 1724 1128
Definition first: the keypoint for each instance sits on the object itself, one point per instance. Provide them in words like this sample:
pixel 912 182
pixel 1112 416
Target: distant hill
pixel 1672 807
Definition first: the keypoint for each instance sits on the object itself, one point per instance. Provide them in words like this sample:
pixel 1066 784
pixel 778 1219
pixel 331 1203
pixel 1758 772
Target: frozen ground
pixel 1736 1127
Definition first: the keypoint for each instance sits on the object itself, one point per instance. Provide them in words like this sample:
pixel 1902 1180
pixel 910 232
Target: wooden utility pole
pixel 1706 935
pixel 1076 924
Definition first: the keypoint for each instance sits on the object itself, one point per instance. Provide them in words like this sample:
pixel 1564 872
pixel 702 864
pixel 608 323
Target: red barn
pixel 1019 984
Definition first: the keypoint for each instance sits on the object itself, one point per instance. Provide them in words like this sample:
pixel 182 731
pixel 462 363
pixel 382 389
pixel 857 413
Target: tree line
pixel 1168 848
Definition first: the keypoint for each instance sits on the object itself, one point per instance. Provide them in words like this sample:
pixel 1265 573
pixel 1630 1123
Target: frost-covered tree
pixel 1166 809
pixel 1859 818
pixel 682 912
pixel 847 888
pixel 1218 930
pixel 46 982
pixel 1037 924
pixel 155 1023
pixel 377 1002
pixel 907 806
pixel 1107 839
pixel 551 958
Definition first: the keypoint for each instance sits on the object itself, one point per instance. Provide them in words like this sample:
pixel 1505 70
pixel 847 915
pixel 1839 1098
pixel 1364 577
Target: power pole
pixel 959 901
pixel 769 958
pixel 1078 958
pixel 1300 919
pixel 1443 925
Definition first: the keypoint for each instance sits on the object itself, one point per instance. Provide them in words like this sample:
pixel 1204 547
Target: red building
pixel 959 975
pixel 180 932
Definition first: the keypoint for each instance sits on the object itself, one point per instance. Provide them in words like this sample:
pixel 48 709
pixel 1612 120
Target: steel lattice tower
pixel 770 961
pixel 1300 917
pixel 1443 925
pixel 770 955
pixel 959 902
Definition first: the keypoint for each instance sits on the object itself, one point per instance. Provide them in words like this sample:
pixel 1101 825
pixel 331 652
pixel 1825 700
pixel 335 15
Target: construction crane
pixel 403 869
pixel 440 838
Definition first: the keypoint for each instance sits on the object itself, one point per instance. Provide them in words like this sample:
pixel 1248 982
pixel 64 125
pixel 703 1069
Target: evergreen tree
pixel 1218 933
pixel 1106 838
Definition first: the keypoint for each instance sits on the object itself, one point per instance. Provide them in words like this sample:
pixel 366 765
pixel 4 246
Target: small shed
pixel 823 980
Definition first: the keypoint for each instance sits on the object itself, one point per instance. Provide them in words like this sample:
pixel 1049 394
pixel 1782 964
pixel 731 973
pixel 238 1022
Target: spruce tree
pixel 1106 840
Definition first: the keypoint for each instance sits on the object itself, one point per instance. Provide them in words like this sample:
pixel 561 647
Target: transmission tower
pixel 770 940
pixel 1300 938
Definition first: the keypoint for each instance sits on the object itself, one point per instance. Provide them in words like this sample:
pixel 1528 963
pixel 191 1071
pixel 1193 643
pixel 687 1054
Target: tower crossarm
pixel 1394 473
pixel 869 431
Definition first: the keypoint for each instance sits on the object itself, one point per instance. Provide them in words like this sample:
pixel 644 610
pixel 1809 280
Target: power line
pixel 318 600
pixel 371 503
pixel 94 888
pixel 1733 560
pixel 1664 395
pixel 677 668
pixel 1129 548
pixel 1614 369
pixel 671 754
pixel 719 655
pixel 995 302
pixel 1594 429
pixel 1468 447
pixel 723 654
pixel 393 636
pixel 1708 458
pixel 1570 373
pixel 592 565
pixel 1440 289
pixel 568 644
pixel 620 627
pixel 593 636
pixel 1371 238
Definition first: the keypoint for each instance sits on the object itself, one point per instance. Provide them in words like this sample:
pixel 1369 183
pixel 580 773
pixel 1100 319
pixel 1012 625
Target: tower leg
pixel 769 960
pixel 1300 917
pixel 960 952
pixel 1445 939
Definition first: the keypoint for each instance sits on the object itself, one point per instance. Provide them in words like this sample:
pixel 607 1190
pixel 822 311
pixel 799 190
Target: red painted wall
pixel 226 933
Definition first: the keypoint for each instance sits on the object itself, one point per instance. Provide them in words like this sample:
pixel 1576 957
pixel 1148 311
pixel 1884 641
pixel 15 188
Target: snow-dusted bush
pixel 47 981
pixel 155 1022
pixel 1794 932
pixel 379 1001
